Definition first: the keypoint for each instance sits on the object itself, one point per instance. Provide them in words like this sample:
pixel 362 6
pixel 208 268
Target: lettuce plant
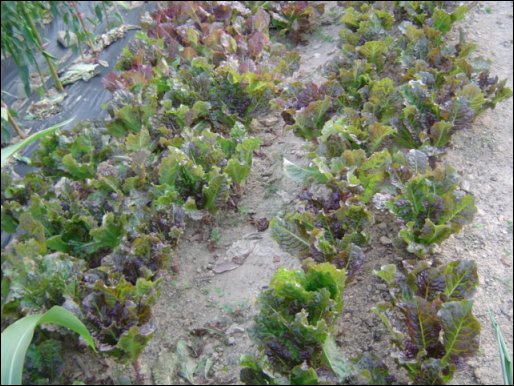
pixel 293 18
pixel 119 311
pixel 327 230
pixel 36 282
pixel 431 88
pixel 432 209
pixel 220 66
pixel 201 171
pixel 73 154
pixel 294 324
pixel 43 362
pixel 356 176
pixel 430 318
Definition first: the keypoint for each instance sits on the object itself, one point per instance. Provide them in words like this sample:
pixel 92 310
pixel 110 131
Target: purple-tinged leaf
pixel 422 328
pixel 461 331
pixel 256 43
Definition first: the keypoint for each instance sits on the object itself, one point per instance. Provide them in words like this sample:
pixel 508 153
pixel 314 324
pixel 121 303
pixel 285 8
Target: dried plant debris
pixel 79 71
pixel 46 107
pixel 106 39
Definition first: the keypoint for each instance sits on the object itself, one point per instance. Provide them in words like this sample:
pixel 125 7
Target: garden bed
pixel 205 312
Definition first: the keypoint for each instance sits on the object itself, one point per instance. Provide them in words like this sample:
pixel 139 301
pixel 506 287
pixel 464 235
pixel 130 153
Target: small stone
pixel 198 270
pixel 66 41
pixel 231 341
pixel 382 226
pixel 382 287
pixel 235 329
pixel 269 121
pixel 437 249
pixel 261 224
pixel 376 336
pixel 385 240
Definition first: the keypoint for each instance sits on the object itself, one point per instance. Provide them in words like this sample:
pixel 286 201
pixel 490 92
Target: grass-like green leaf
pixel 17 337
pixel 506 360
pixel 10 151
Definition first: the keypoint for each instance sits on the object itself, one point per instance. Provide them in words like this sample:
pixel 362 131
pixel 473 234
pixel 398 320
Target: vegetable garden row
pixel 99 220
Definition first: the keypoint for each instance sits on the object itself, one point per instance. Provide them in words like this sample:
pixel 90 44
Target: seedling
pixel 215 236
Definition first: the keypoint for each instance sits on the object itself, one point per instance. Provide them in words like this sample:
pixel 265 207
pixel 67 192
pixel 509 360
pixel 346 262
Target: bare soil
pixel 483 156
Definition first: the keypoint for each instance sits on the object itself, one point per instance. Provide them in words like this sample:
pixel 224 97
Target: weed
pixel 506 281
pixel 212 303
pixel 187 286
pixel 215 236
pixel 227 308
pixel 235 309
pixel 271 189
pixel 323 36
pixel 244 210
pixel 333 13
pixel 218 291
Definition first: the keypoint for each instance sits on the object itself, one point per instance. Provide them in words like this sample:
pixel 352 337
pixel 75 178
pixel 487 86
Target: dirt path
pixel 483 156
pixel 212 312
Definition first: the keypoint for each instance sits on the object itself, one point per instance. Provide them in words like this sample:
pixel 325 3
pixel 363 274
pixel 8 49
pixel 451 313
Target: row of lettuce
pixel 96 223
pixel 395 94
